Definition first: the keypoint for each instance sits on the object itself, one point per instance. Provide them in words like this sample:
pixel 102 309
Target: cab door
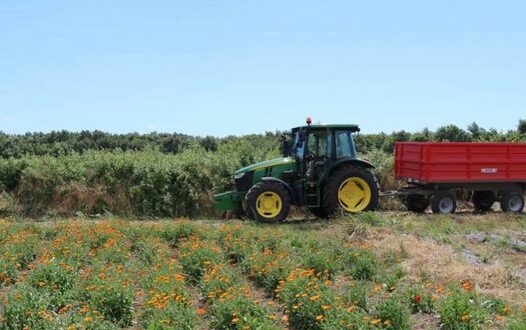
pixel 316 161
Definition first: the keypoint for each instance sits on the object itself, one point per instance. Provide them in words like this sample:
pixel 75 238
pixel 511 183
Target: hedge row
pixel 146 183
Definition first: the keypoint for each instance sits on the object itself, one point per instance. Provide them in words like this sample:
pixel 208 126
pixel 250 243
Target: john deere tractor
pixel 319 171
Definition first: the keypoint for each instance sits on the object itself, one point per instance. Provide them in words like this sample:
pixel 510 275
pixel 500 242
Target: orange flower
pixel 465 317
pixel 467 286
pixel 201 311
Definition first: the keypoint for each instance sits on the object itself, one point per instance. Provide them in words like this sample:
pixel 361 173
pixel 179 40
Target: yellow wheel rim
pixel 354 194
pixel 269 205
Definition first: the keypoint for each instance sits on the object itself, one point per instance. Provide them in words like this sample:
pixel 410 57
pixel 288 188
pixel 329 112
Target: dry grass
pixel 437 263
pixel 432 248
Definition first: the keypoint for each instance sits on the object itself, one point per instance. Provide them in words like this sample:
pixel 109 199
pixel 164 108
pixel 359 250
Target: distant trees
pixel 522 127
pixel 451 133
pixel 59 143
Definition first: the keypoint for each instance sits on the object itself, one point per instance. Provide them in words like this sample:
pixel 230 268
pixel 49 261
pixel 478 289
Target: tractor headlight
pixel 239 175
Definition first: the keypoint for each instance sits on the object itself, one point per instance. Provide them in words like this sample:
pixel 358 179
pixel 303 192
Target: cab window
pixel 318 144
pixel 344 144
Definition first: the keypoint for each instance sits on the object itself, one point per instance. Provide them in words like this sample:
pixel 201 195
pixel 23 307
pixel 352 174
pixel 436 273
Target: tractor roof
pixel 351 127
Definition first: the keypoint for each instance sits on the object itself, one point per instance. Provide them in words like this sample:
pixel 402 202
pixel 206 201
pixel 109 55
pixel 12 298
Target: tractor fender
pixel 286 185
pixel 343 162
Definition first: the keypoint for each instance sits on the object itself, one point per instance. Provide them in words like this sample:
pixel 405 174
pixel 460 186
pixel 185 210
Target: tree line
pixel 60 143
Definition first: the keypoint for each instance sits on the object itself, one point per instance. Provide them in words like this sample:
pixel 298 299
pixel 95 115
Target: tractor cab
pixel 315 147
pixel 319 171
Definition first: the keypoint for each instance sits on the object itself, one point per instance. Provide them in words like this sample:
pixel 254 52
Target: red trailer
pixel 435 173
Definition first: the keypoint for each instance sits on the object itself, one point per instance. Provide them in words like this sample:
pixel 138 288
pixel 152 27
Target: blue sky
pixel 237 67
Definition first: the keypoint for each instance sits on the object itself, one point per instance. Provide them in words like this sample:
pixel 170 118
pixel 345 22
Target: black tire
pixel 417 203
pixel 318 212
pixel 483 200
pixel 331 203
pixel 444 202
pixel 251 200
pixel 512 201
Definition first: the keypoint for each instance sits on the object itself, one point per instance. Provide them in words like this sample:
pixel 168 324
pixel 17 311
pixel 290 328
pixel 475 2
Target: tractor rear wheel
pixel 268 202
pixel 483 200
pixel 351 189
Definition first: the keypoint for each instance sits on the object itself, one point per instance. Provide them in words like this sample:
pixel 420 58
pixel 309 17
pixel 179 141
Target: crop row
pixel 186 276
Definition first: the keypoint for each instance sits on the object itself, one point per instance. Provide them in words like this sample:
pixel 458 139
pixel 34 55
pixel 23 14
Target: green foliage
pixel 240 313
pixel 361 264
pixel 521 128
pixel 393 313
pixel 460 310
pixel 114 302
pixel 27 308
pixel 141 183
pixel 451 133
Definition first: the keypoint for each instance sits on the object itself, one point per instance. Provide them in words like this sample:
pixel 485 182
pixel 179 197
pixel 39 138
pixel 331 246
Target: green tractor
pixel 319 171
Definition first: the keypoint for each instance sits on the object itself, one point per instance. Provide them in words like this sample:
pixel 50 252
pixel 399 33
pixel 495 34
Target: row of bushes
pixel 147 183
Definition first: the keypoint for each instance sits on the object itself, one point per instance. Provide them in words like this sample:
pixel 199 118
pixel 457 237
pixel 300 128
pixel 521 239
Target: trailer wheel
pixel 483 200
pixel 512 201
pixel 417 203
pixel 444 202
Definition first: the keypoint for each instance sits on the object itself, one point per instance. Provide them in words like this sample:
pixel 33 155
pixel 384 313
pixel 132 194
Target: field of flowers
pixel 183 275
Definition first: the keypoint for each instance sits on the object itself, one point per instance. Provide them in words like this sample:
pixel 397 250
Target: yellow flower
pixel 319 317
pixel 465 317
pixel 376 322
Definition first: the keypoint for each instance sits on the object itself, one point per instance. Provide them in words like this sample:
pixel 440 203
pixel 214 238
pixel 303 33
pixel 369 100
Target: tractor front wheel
pixel 351 190
pixel 268 202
